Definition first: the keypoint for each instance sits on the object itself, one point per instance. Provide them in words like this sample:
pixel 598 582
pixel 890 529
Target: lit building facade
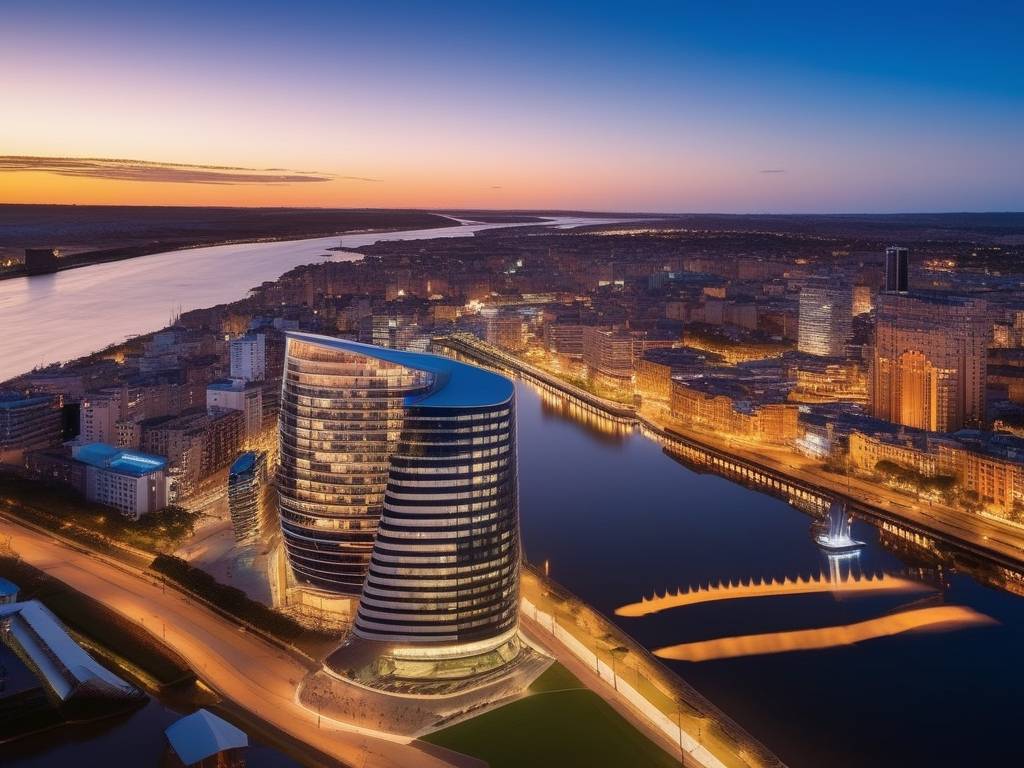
pixel 247 496
pixel 131 482
pixel 722 414
pixel 248 355
pixel 397 485
pixel 826 319
pixel 27 423
pixel 929 361
pixel 238 395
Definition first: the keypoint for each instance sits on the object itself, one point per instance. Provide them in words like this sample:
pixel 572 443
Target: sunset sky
pixel 671 106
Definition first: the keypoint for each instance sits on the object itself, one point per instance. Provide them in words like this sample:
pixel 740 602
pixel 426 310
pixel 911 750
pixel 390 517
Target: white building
pixel 826 319
pixel 238 395
pixel 131 482
pixel 101 411
pixel 249 357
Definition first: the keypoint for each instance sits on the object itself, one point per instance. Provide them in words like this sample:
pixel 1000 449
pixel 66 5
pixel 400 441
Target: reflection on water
pixel 618 517
pixel 600 427
pixel 50 318
pixel 943 617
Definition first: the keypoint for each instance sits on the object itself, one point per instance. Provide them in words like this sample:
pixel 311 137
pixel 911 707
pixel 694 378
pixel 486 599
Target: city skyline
pixel 662 108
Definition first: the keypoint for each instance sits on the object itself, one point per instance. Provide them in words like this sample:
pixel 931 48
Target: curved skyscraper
pixel 398 484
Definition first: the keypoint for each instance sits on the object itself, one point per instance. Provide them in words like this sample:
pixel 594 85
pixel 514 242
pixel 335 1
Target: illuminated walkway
pixel 737 590
pixel 944 617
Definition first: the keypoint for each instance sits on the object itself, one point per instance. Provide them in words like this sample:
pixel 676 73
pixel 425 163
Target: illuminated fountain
pixel 837 538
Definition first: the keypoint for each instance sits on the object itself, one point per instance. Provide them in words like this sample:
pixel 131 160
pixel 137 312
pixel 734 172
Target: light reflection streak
pixel 771 588
pixel 940 618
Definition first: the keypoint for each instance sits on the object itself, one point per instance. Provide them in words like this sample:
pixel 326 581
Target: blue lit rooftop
pixel 244 463
pixel 105 456
pixel 455 384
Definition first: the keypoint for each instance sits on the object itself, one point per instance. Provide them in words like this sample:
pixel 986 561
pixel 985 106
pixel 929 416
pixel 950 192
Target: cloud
pixel 177 173
pixel 496 186
pixel 773 170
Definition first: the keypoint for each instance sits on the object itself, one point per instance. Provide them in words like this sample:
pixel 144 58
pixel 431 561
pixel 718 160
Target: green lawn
pixel 559 724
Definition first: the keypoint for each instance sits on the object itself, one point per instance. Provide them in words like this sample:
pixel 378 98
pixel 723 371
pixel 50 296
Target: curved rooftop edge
pixel 455 384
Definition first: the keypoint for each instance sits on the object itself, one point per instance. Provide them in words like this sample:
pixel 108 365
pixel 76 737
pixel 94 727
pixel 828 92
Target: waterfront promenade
pixel 773 468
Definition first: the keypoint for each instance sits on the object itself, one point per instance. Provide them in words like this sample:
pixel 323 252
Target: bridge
pixel 752 588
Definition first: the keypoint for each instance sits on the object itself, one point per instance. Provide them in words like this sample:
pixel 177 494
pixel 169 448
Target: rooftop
pixel 106 456
pixel 455 384
pixel 201 735
pixel 245 462
pixel 7 588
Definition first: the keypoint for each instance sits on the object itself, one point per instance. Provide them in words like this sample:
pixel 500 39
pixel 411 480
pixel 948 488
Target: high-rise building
pixel 397 484
pixel 507 331
pixel 826 318
pixel 249 357
pixel 247 492
pixel 897 269
pixel 27 423
pixel 928 366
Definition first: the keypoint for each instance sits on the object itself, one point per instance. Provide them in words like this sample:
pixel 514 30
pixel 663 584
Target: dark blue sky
pixel 668 106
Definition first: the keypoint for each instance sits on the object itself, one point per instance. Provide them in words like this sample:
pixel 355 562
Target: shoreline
pixel 1010 555
pixel 128 252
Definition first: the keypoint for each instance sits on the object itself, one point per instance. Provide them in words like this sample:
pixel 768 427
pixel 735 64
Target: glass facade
pixel 398 484
pixel 341 416
pixel 446 558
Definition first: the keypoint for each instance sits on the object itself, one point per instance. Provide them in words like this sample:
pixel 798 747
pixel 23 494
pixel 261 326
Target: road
pixel 255 675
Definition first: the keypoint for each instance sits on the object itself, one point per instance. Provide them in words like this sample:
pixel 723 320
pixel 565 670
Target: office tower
pixel 247 491
pixel 928 366
pixel 398 471
pixel 249 357
pixel 897 269
pixel 826 318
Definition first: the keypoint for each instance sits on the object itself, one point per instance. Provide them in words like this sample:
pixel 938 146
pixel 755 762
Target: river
pixel 617 519
pixel 52 318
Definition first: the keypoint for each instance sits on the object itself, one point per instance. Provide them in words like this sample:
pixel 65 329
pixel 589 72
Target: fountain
pixel 837 536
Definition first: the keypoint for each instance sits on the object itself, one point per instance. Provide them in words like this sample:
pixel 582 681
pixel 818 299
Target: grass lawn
pixel 561 723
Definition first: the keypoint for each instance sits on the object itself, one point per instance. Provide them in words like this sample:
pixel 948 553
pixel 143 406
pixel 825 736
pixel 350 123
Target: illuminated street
pixel 253 674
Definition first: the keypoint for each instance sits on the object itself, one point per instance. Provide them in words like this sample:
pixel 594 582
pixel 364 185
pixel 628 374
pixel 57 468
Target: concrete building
pixel 826 318
pixel 721 409
pixel 507 331
pixel 131 482
pixel 248 357
pixel 929 360
pixel 238 395
pixel 28 422
pixel 610 356
pixel 196 444
pixel 101 411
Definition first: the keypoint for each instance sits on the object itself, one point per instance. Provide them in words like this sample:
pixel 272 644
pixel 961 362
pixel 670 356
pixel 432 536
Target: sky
pixel 640 106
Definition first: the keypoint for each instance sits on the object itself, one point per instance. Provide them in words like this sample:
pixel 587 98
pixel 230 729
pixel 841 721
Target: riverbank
pixel 982 536
pixel 90 235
